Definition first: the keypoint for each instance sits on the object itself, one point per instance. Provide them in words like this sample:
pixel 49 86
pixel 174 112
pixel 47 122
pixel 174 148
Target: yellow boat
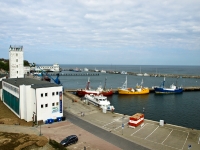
pixel 138 90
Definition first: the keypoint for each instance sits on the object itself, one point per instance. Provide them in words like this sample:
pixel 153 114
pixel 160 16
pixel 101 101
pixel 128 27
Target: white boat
pixel 139 74
pixel 146 74
pixel 103 71
pixel 123 72
pixel 86 69
pixel 95 70
pixel 100 101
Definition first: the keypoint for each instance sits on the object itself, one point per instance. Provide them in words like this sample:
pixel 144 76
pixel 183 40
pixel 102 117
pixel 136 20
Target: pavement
pixel 151 135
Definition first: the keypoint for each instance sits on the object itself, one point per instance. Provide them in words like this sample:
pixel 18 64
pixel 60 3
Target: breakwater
pixel 131 73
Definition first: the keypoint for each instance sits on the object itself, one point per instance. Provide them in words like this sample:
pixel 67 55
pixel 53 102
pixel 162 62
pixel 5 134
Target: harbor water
pixel 178 109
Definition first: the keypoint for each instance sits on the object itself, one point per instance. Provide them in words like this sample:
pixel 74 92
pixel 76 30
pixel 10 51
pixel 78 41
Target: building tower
pixel 16 61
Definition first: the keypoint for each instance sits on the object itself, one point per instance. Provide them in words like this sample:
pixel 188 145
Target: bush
pixel 56 145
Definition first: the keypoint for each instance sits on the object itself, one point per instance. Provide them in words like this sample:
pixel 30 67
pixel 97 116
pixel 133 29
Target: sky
pixel 126 32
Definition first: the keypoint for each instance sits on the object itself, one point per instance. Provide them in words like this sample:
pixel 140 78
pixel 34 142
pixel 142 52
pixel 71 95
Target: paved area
pixel 150 135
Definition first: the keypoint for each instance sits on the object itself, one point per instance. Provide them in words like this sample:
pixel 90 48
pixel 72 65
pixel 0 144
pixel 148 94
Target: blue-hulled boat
pixel 163 90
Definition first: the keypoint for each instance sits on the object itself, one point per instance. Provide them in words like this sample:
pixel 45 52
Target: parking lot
pixel 150 135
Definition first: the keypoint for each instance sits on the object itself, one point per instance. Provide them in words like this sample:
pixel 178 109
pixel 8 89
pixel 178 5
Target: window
pixel 16 60
pixel 17 71
pixel 53 104
pixel 45 94
pixel 46 105
pixel 57 103
pixel 41 106
pixel 16 54
pixel 53 93
pixel 56 93
pixel 41 95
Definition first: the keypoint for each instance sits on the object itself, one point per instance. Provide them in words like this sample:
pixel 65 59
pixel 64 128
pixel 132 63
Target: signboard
pixel 54 109
pixel 60 100
pixel 122 126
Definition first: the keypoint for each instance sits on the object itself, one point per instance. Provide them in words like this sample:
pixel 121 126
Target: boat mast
pixel 88 84
pixel 164 82
pixel 105 84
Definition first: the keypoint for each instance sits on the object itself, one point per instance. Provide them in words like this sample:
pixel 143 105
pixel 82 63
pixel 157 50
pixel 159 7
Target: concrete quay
pixel 151 135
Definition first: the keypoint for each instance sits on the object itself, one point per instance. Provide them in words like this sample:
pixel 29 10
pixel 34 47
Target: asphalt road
pixel 103 134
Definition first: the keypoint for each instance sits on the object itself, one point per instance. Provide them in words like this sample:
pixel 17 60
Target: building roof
pixel 29 81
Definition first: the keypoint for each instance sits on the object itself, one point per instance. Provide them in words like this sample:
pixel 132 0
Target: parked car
pixel 72 139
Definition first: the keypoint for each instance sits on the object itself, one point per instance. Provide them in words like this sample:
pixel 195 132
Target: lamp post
pixel 123 124
pixel 143 110
pixel 40 128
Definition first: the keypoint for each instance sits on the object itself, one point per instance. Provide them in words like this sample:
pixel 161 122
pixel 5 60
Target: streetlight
pixel 40 128
pixel 123 123
pixel 143 110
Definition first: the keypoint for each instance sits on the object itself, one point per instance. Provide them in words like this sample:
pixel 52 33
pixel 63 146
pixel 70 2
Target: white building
pixel 54 68
pixel 16 61
pixel 33 100
pixel 27 69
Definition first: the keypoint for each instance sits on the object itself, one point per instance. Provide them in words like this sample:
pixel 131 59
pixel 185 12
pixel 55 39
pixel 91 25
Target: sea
pixel 177 109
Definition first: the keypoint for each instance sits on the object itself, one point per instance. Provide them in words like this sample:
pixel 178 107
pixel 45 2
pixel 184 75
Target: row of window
pixel 46 105
pixel 46 94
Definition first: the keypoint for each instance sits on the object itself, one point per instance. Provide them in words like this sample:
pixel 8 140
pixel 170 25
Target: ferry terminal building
pixel 33 100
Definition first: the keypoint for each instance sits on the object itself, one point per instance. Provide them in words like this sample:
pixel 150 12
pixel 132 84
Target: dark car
pixel 72 139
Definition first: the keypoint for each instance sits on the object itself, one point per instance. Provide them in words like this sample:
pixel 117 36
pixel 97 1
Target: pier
pixel 93 72
pixel 74 74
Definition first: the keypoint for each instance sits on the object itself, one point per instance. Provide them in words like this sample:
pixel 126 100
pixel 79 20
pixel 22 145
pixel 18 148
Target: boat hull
pixel 128 91
pixel 167 91
pixel 84 92
pixel 107 93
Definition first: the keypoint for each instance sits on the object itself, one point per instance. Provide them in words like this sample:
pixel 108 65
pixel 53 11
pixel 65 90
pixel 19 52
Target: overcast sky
pixel 134 32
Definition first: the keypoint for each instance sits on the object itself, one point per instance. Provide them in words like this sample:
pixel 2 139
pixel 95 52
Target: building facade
pixel 16 61
pixel 33 100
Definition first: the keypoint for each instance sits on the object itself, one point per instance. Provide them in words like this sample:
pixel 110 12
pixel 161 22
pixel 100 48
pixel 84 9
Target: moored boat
pixel 137 90
pixel 99 90
pixel 100 101
pixel 87 90
pixel 163 90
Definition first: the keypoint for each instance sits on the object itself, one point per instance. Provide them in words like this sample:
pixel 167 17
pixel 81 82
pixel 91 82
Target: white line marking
pixel 185 140
pixel 138 129
pixel 167 137
pixel 152 132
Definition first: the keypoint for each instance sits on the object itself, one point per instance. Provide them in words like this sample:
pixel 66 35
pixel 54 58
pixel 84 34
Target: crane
pixel 44 73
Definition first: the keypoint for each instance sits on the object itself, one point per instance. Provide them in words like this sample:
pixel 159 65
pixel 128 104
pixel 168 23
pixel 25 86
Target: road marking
pixel 112 122
pixel 185 140
pixel 152 132
pixel 167 137
pixel 139 129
